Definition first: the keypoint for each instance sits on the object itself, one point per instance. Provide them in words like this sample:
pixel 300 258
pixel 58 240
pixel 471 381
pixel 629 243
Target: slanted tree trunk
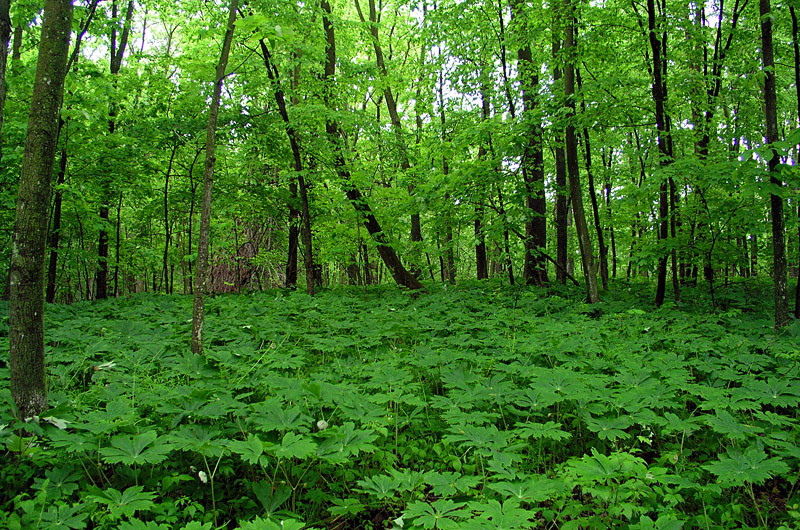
pixel 26 325
pixel 394 117
pixel 573 170
pixel 400 274
pixel 117 53
pixel 776 201
pixel 601 243
pixel 202 274
pixel 303 214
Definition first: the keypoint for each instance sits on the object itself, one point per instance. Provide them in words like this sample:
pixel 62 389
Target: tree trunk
pixel 662 126
pixel 592 295
pixel 117 53
pixel 796 46
pixel 5 35
pixel 593 193
pixel 202 274
pixel 387 253
pixel 26 325
pixel 776 201
pixel 481 263
pixel 303 214
pixel 562 191
pixel 167 231
pixel 397 126
pixel 55 229
pixel 535 270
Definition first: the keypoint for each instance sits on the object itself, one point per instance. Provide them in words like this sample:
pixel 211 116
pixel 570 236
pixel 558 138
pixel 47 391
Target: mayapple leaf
pixel 135 450
pixel 294 446
pixel 548 431
pixel 124 503
pixel 753 466
pixel 249 450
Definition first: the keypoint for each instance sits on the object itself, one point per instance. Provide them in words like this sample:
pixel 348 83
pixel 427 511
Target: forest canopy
pixel 459 127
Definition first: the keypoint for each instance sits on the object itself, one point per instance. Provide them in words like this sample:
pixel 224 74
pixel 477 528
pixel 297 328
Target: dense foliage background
pixel 457 74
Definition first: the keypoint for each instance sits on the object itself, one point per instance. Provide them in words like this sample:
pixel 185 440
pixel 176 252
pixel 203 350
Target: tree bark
pixel 587 154
pixel 167 231
pixel 26 326
pixel 573 170
pixel 202 276
pixel 776 201
pixel 481 263
pixel 662 127
pixel 387 253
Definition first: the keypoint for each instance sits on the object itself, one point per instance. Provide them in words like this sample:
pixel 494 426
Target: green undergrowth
pixel 476 407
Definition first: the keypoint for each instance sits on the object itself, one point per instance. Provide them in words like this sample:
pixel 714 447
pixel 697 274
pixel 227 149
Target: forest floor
pixel 470 407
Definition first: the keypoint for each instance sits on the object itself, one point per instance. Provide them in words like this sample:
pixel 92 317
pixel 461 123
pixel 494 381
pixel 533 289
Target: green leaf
pixel 124 503
pixel 294 446
pixel 249 450
pixel 736 468
pixel 132 450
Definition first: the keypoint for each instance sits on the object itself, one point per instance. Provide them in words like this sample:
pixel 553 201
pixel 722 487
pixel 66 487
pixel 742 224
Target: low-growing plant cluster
pixel 478 407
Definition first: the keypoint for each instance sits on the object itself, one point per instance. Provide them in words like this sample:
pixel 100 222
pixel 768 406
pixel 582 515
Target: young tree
pixel 201 278
pixel 5 35
pixel 573 169
pixel 776 201
pixel 26 326
pixel 115 63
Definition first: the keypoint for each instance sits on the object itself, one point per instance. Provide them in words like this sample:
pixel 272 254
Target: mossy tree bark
pixel 201 278
pixel 26 325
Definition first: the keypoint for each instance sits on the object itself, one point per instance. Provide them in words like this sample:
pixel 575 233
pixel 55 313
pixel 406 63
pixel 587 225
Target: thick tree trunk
pixel 26 326
pixel 535 270
pixel 776 201
pixel 202 274
pixel 662 126
pixel 582 229
pixel 387 253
